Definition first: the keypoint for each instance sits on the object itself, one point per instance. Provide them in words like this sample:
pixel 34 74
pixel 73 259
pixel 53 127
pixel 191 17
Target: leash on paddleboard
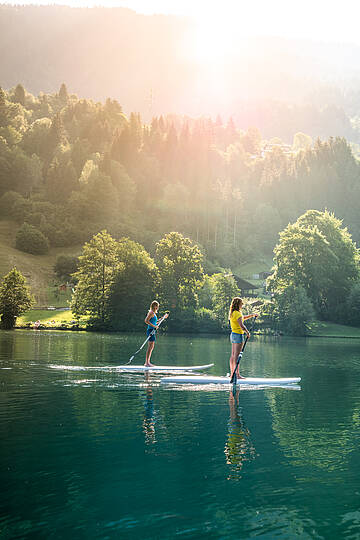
pixel 233 376
pixel 149 336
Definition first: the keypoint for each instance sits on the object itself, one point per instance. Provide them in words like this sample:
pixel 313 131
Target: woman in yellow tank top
pixel 238 331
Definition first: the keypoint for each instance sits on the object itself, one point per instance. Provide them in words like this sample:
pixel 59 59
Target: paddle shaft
pixel 233 376
pixel 147 339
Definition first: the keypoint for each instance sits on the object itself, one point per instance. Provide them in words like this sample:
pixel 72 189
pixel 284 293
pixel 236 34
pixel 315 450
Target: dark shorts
pixel 153 337
pixel 237 338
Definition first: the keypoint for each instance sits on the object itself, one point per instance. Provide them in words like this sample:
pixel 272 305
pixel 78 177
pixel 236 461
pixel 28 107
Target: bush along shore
pixel 46 319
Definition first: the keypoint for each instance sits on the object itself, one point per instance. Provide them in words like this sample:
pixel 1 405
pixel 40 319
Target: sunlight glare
pixel 213 40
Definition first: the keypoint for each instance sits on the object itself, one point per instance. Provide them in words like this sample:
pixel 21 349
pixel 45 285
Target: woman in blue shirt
pixel 151 321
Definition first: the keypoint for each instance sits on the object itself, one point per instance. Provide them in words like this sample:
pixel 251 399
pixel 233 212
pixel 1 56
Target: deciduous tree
pixel 179 262
pixel 98 265
pixel 134 287
pixel 319 255
pixel 15 298
pixel 224 288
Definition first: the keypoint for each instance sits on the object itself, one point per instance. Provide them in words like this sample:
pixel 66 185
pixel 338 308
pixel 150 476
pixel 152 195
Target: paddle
pixel 233 376
pixel 147 339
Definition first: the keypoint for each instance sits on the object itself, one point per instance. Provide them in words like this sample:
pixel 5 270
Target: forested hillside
pixel 71 167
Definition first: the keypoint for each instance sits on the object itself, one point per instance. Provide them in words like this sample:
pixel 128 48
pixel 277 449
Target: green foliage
pixel 353 305
pixel 65 266
pixel 56 136
pixel 31 240
pixel 205 293
pixel 35 139
pixel 320 256
pixel 18 171
pixel 78 166
pixel 21 210
pixel 98 266
pixel 124 185
pixel 61 180
pixel 180 270
pixel 189 321
pixel 207 321
pixel 7 202
pixel 134 286
pixel 292 310
pixel 224 288
pixel 15 298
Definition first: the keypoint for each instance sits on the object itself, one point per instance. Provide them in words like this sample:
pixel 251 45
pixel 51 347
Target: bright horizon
pixel 316 20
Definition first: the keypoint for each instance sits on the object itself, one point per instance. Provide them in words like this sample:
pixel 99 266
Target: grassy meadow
pixel 328 329
pixel 38 269
pixel 49 318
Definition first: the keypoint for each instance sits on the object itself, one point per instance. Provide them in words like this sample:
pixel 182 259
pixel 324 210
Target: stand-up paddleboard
pixel 134 368
pixel 163 368
pixel 226 380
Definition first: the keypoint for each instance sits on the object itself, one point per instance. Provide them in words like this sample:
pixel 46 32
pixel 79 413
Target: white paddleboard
pixel 226 380
pixel 163 368
pixel 133 368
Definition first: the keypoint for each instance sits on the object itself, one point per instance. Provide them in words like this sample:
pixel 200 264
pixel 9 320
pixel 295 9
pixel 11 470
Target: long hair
pixel 154 304
pixel 236 304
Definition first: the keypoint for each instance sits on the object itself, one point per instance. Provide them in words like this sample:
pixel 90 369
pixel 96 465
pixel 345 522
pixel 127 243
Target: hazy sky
pixel 314 19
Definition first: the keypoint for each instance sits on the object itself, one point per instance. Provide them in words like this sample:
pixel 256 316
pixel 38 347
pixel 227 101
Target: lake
pixel 99 454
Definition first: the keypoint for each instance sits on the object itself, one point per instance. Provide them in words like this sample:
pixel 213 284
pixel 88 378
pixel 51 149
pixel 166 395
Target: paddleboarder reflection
pixel 149 414
pixel 238 447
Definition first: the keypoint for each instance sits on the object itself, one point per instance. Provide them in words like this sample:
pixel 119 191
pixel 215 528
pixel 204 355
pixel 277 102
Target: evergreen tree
pixel 63 93
pixel 19 95
pixel 56 135
pixel 135 127
pixel 122 149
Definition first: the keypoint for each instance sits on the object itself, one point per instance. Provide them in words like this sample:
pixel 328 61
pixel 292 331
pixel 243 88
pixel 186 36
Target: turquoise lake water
pixel 94 453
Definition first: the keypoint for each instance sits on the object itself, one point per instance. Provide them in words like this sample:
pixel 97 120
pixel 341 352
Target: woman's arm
pixel 249 316
pixel 148 317
pixel 242 326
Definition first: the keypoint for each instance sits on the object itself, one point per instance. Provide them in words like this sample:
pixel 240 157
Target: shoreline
pixel 107 331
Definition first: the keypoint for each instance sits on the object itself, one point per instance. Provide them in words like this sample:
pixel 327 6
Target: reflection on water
pixel 92 453
pixel 238 447
pixel 149 413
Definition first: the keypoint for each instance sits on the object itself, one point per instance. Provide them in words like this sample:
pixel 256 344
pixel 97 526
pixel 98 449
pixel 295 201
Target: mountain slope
pixel 38 269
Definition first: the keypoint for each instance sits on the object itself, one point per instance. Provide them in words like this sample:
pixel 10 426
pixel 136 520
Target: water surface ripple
pixel 91 452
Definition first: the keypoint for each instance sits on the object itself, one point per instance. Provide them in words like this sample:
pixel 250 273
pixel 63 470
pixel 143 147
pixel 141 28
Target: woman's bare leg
pixel 236 349
pixel 149 351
